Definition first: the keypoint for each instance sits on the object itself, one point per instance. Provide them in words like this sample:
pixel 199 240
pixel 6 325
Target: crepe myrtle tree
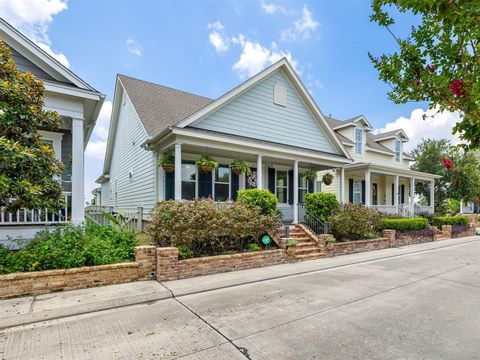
pixel 28 167
pixel 438 62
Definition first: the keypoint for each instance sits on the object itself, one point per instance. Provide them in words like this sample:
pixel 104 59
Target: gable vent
pixel 280 94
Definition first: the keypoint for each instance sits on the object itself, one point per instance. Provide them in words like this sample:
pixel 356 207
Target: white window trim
pixel 356 181
pixel 221 182
pixel 357 129
pixel 288 185
pixel 398 155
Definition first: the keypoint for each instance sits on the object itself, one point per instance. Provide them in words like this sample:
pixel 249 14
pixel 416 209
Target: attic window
pixel 280 95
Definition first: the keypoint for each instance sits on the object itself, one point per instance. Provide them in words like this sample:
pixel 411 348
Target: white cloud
pixel 97 145
pixel 33 19
pixel 302 28
pixel 133 47
pixel 271 8
pixel 255 57
pixel 217 38
pixel 437 127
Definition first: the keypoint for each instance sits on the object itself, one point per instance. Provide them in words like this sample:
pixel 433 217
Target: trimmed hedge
pixel 449 220
pixel 403 225
pixel 321 205
pixel 259 197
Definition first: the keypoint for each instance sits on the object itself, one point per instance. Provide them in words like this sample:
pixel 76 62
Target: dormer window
pixel 398 150
pixel 358 141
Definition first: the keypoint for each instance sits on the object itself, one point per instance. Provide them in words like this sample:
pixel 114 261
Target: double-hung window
pixel 398 150
pixel 358 141
pixel 282 186
pixel 302 188
pixel 189 177
pixel 222 183
pixel 357 191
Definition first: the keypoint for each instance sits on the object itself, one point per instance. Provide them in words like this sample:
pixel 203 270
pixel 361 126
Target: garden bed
pixel 169 267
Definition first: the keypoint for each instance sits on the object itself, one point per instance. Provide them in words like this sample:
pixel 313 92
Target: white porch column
pixel 342 185
pixel 78 187
pixel 259 172
pixel 368 198
pixel 432 195
pixel 412 197
pixel 395 191
pixel 178 171
pixel 295 192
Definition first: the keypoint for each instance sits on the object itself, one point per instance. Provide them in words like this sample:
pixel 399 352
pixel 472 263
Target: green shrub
pixel 403 225
pixel 184 252
pixel 452 206
pixel 354 222
pixel 321 205
pixel 254 247
pixel 449 220
pixel 207 228
pixel 71 246
pixel 259 197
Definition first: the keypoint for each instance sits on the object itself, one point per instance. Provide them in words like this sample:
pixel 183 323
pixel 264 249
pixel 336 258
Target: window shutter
pixel 402 194
pixel 234 185
pixel 169 185
pixel 393 194
pixel 363 192
pixel 290 187
pixel 204 184
pixel 350 190
pixel 271 180
pixel 311 186
pixel 280 95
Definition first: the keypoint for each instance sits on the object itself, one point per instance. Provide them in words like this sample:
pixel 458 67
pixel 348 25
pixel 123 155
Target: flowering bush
pixel 427 233
pixel 458 229
pixel 355 222
pixel 207 228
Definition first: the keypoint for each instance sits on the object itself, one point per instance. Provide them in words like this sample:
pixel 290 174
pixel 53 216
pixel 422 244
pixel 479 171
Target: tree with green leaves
pixel 459 168
pixel 28 168
pixel 439 62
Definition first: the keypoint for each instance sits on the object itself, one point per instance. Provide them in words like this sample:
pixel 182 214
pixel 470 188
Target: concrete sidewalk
pixel 32 309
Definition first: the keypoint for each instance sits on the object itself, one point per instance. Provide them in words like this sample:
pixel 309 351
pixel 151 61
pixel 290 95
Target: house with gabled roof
pixel 270 121
pixel 79 105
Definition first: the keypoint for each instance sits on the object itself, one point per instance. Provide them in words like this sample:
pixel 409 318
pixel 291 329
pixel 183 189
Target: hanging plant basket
pixel 239 166
pixel 206 163
pixel 327 179
pixel 310 174
pixel 167 162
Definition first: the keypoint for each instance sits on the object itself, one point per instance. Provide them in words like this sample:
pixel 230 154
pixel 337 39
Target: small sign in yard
pixel 266 240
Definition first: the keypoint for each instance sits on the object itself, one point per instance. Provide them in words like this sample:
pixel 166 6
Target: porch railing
pixel 387 209
pixel 132 218
pixel 423 209
pixel 309 220
pixel 24 216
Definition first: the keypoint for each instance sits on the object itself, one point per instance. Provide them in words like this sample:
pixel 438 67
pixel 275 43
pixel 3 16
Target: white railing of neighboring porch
pixel 423 209
pixel 133 218
pixel 24 216
pixel 387 209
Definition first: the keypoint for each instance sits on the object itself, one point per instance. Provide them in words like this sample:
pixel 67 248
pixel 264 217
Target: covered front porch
pixel 387 189
pixel 279 169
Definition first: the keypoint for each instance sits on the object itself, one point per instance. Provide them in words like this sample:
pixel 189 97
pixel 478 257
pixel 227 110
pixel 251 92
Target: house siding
pixel 105 193
pixel 129 156
pixel 254 114
pixel 24 65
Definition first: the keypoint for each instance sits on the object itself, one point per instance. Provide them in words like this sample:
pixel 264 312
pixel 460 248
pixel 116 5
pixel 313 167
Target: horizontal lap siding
pixel 24 65
pixel 127 155
pixel 253 114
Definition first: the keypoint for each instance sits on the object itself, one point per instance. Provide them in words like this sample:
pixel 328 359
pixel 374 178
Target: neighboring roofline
pixel 379 151
pixel 102 179
pixel 230 95
pixel 29 45
pixel 352 122
pixel 96 190
pixel 393 170
pixel 391 136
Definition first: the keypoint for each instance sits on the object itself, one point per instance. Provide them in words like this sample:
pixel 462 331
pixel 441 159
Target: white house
pixel 271 121
pixel 79 104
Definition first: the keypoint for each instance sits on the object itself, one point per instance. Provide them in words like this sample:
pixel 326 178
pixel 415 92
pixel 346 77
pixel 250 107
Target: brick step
pixel 307 250
pixel 313 256
pixel 300 237
pixel 441 238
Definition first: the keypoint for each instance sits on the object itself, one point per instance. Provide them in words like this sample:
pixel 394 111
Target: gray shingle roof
pixel 385 134
pixel 160 107
pixel 371 143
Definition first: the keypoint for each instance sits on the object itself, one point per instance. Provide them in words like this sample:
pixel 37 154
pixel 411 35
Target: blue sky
pixel 209 47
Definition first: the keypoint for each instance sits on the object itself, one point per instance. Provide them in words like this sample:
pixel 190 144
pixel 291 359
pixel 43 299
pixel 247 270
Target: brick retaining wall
pixel 170 268
pixel 351 247
pixel 42 282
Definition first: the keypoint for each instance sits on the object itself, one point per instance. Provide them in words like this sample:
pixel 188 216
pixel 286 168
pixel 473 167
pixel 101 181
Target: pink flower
pixel 431 68
pixel 457 87
pixel 447 163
